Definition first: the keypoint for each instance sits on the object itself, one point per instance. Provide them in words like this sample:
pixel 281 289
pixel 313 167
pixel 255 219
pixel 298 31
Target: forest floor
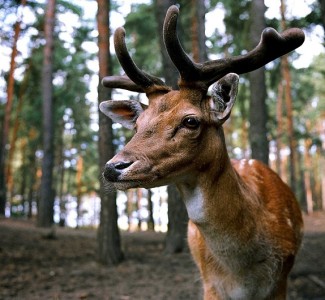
pixel 34 267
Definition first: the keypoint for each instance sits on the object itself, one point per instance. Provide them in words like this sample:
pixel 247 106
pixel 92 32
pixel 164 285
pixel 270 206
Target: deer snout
pixel 112 171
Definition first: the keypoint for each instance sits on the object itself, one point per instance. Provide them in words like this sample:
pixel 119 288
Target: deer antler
pixel 272 45
pixel 136 79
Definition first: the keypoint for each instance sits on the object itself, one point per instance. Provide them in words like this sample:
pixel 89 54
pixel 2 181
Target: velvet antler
pixel 136 79
pixel 272 45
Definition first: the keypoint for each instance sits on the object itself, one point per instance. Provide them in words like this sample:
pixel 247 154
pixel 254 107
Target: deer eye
pixel 191 122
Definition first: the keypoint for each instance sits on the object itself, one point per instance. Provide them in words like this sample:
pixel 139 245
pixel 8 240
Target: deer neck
pixel 217 201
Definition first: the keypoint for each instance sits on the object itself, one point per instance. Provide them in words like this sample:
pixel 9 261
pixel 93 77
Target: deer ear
pixel 124 112
pixel 223 97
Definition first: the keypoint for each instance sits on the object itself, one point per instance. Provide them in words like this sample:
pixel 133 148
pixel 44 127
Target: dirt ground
pixel 32 267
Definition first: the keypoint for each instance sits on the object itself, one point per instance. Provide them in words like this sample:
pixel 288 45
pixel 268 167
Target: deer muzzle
pixel 113 171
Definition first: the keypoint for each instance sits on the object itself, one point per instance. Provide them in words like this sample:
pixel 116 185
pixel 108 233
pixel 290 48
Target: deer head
pixel 179 134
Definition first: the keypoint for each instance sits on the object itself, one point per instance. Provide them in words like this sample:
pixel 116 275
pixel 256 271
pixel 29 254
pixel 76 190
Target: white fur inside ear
pixel 124 112
pixel 212 105
pixel 223 97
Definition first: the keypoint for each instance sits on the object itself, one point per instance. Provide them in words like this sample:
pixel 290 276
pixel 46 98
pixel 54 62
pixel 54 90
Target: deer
pixel 245 225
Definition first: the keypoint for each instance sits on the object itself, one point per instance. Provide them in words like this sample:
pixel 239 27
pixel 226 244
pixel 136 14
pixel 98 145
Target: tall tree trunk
pixel 79 185
pixel 61 176
pixel 288 100
pixel 279 130
pixel 24 173
pixel 198 31
pixel 322 164
pixel 280 163
pixel 307 176
pixel 129 206
pixel 12 149
pixel 109 245
pixel 170 72
pixel 6 120
pixel 258 110
pixel 32 167
pixel 177 228
pixel 45 207
pixel 151 222
pixel 177 214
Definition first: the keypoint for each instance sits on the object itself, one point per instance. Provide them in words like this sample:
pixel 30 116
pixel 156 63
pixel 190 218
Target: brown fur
pixel 273 223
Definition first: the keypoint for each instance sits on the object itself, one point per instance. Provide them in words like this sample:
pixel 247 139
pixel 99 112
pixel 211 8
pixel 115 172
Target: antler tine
pixel 136 79
pixel 272 45
pixel 121 82
pixel 188 69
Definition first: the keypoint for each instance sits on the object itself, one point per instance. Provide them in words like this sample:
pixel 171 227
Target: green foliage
pixel 237 27
pixel 141 33
pixel 64 6
pixel 309 94
pixel 71 84
pixel 72 76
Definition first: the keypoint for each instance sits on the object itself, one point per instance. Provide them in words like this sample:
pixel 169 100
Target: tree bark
pixel 198 31
pixel 13 141
pixel 307 176
pixel 109 245
pixel 6 120
pixel 279 133
pixel 177 222
pixel 258 111
pixel 288 100
pixel 169 70
pixel 151 222
pixel 45 207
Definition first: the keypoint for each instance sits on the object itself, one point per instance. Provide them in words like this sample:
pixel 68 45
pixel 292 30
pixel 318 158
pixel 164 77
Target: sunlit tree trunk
pixel 45 207
pixel 13 141
pixel 279 130
pixel 280 161
pixel 322 164
pixel 129 206
pixel 317 178
pixel 6 121
pixel 307 176
pixel 109 245
pixel 258 111
pixel 288 100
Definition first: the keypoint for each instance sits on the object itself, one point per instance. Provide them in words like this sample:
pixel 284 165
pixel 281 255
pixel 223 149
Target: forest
pixel 54 141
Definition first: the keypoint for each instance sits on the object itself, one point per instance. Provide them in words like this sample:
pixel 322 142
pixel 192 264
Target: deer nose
pixel 112 171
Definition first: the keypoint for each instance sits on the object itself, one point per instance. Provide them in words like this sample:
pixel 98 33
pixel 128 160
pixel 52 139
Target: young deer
pixel 245 225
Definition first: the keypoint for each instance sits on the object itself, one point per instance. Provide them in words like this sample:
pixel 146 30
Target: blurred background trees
pixel 263 125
